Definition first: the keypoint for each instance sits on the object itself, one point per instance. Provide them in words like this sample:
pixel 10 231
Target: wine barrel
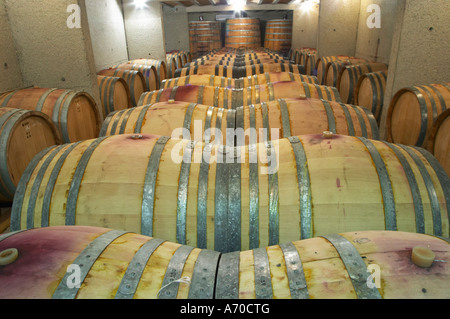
pixel 236 63
pixel 299 55
pixel 285 117
pixel 369 92
pixel 243 33
pixel 278 35
pixel 114 93
pixel 160 66
pixel 23 134
pixel 322 63
pixel 246 57
pixel 171 66
pixel 178 58
pixel 134 79
pixel 74 113
pixel 201 79
pixel 240 72
pixel 204 36
pixel 413 111
pixel 310 63
pixel 233 98
pixel 275 77
pixel 234 199
pixel 349 76
pixel 149 71
pixel 333 69
pixel 439 141
pixel 343 262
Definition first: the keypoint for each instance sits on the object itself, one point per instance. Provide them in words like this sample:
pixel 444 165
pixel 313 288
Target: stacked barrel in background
pixel 278 36
pixel 204 37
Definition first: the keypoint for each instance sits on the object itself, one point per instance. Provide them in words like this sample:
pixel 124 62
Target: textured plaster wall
pixel 338 27
pixel 176 29
pixel 10 73
pixel 374 44
pixel 420 47
pixel 107 32
pixel 305 27
pixel 50 53
pixel 144 30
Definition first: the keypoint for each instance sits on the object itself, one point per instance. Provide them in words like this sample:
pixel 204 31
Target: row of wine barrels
pixel 23 134
pixel 74 113
pixel 134 79
pixel 439 142
pixel 243 33
pixel 333 69
pixel 310 63
pixel 233 98
pixel 413 111
pixel 369 92
pixel 149 71
pixel 178 58
pixel 204 36
pixel 322 63
pixel 299 55
pixel 172 66
pixel 249 56
pixel 235 63
pixel 349 76
pixel 240 72
pixel 114 94
pixel 160 66
pixel 337 266
pixel 234 199
pixel 220 81
pixel 281 118
pixel 278 36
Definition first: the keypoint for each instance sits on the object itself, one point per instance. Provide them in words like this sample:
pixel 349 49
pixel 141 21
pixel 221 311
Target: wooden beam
pixel 186 3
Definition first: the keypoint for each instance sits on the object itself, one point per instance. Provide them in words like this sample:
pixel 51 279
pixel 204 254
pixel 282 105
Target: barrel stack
pixel 232 172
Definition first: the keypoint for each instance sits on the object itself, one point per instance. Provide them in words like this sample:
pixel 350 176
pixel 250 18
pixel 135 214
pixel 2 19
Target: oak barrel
pixel 284 117
pixel 120 265
pixel 149 71
pixel 240 72
pixel 75 113
pixel 243 33
pixel 278 36
pixel 134 79
pixel 234 199
pixel 413 111
pixel 233 98
pixel 160 66
pixel 349 76
pixel 204 36
pixel 23 134
pixel 333 68
pixel 369 92
pixel 322 63
pixel 114 94
pixel 439 141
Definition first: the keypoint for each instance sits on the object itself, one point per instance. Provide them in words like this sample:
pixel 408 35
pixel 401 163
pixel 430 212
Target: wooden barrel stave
pixel 204 36
pixel 278 35
pixel 343 190
pixel 160 66
pixel 74 113
pixel 333 69
pixel 149 71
